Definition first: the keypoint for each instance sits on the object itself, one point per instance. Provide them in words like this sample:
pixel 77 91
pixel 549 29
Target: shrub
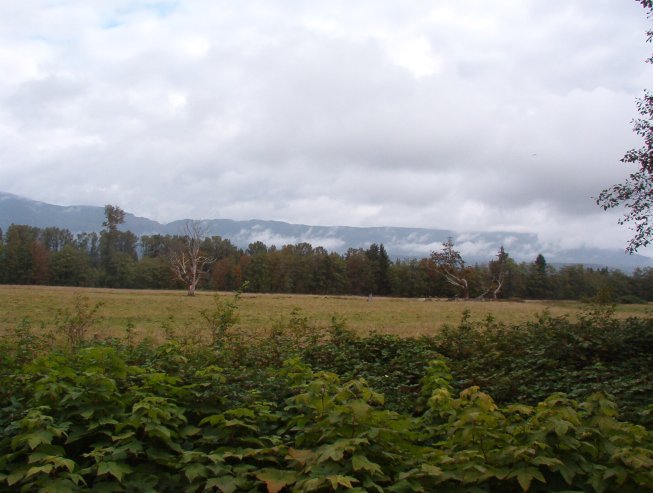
pixel 302 409
pixel 631 299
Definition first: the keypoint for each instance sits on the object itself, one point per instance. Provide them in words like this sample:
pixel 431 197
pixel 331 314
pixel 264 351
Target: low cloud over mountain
pixel 399 242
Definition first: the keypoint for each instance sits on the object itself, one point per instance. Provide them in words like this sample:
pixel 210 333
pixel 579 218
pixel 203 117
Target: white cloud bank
pixel 463 115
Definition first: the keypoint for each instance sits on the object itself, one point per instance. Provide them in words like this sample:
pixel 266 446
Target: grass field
pixel 150 311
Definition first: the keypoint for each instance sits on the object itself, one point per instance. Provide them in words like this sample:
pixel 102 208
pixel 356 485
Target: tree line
pixel 119 259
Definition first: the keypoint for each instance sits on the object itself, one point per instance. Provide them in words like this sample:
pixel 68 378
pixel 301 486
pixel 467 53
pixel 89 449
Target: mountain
pixel 399 242
pixel 76 218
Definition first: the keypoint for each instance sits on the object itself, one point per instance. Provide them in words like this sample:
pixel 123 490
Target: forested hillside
pixel 399 242
pixel 120 259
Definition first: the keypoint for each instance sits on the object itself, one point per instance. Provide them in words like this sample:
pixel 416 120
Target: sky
pixel 469 115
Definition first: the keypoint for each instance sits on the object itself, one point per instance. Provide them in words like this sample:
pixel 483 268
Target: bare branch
pixel 452 266
pixel 188 264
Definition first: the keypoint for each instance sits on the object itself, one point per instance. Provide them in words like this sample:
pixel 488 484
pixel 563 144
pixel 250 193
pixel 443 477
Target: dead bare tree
pixel 186 259
pixel 495 286
pixel 452 266
pixel 498 285
pixel 497 271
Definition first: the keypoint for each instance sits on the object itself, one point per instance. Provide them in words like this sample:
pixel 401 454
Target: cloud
pixel 248 236
pixel 457 115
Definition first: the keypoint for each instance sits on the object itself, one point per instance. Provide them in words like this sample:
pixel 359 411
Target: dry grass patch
pixel 149 312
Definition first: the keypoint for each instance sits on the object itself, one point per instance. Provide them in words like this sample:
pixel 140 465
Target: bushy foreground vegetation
pixel 310 409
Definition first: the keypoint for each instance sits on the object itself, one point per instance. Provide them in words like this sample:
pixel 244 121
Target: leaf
pixel 360 462
pixel 241 412
pixel 568 472
pixel 431 470
pixel 46 469
pixel 276 479
pixel 157 430
pixel 338 479
pixel 546 461
pixel 597 483
pixel 77 479
pixel 87 414
pixel 38 457
pixel 193 471
pixel 122 436
pixel 226 484
pixel 189 430
pixel 116 469
pixel 404 486
pixel 133 447
pixel 237 423
pixel 312 484
pixel 360 409
pixel 333 451
pixel 16 476
pixel 58 486
pixel 519 409
pixel 300 456
pixel 213 420
pixel 62 462
pixel 525 476
pixel 37 438
pixel 561 427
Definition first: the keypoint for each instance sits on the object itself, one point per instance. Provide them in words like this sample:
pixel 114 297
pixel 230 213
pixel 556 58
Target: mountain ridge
pixel 400 242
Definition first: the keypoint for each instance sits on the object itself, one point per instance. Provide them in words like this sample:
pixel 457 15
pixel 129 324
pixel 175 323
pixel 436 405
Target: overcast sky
pixel 471 115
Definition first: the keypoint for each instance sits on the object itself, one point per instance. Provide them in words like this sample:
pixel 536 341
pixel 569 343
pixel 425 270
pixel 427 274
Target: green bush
pixel 526 363
pixel 631 299
pixel 303 410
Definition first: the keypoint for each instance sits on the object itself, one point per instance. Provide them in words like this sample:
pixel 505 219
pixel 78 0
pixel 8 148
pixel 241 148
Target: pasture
pixel 149 312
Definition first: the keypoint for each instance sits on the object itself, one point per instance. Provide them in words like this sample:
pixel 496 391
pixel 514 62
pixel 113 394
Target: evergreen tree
pixel 538 279
pixel 257 270
pixel 117 250
pixel 71 266
pixel 2 257
pixel 379 265
pixel 55 239
pixel 18 260
pixel 360 277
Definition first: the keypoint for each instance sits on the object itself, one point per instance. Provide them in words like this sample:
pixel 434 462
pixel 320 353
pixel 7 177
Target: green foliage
pixel 222 317
pixel 526 363
pixel 70 266
pixel 343 437
pixel 30 255
pixel 392 365
pixel 74 322
pixel 631 299
pixel 303 409
pixel 558 445
pixel 22 344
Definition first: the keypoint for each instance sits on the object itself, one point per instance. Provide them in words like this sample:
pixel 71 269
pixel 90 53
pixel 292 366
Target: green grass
pixel 149 311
